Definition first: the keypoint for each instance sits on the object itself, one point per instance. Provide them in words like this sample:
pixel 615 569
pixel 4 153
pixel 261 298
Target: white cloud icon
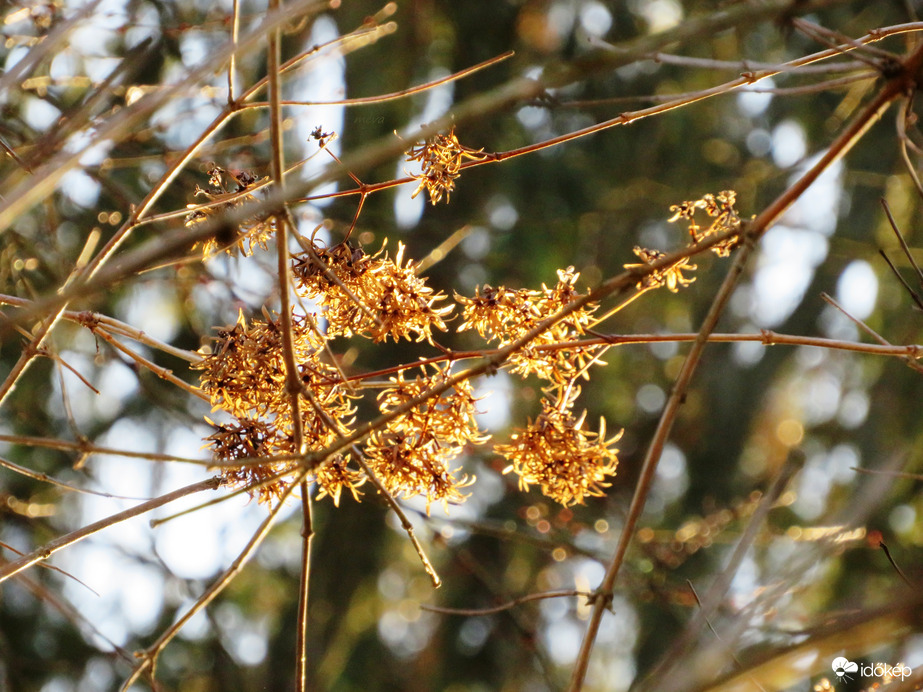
pixel 841 666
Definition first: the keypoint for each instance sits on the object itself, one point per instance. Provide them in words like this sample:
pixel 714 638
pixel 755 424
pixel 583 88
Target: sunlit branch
pixel 475 612
pixel 50 548
pixel 843 143
pixel 248 489
pixel 405 522
pixel 624 118
pixel 859 323
pixel 232 63
pixel 45 478
pixel 161 372
pixel 86 448
pixel 817 87
pixel 42 183
pixel 23 194
pixel 741 66
pixel 403 93
pixel 346 43
pixel 149 655
pixel 831 38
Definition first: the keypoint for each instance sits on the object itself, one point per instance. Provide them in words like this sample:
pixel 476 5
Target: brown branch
pixel 473 612
pixel 661 674
pixel 50 548
pixel 847 139
pixel 149 656
pixel 900 572
pixel 403 93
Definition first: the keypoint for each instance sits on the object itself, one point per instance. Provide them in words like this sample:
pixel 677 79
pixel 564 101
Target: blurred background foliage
pixel 586 203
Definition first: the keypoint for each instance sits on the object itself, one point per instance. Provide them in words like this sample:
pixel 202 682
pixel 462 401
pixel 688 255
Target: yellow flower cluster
pixel 441 158
pixel 413 453
pixel 506 315
pixel 556 453
pixel 370 295
pixel 245 377
pixel 429 421
pixel 670 276
pixel 722 216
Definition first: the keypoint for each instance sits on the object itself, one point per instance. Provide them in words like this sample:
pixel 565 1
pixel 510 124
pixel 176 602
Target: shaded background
pixel 586 204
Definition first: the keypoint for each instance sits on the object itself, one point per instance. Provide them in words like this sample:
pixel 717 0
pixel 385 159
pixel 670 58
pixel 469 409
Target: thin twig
pixel 720 585
pixel 902 137
pixel 149 656
pixel 900 572
pixel 847 139
pixel 403 93
pixel 161 372
pixel 405 522
pixel 50 548
pixel 45 478
pixel 85 448
pixel 513 92
pixel 859 323
pixel 232 63
pixel 900 239
pixel 474 612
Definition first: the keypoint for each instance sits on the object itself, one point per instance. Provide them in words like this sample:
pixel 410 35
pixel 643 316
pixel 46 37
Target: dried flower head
pixel 670 276
pixel 413 452
pixel 724 217
pixel 508 314
pixel 556 453
pixel 248 439
pixel 371 296
pixel 441 158
pixel 229 190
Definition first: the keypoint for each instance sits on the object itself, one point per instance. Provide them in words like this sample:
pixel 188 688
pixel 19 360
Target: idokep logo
pixel 842 668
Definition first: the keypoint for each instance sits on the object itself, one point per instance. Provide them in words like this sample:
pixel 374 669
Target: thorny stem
pixel 847 139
